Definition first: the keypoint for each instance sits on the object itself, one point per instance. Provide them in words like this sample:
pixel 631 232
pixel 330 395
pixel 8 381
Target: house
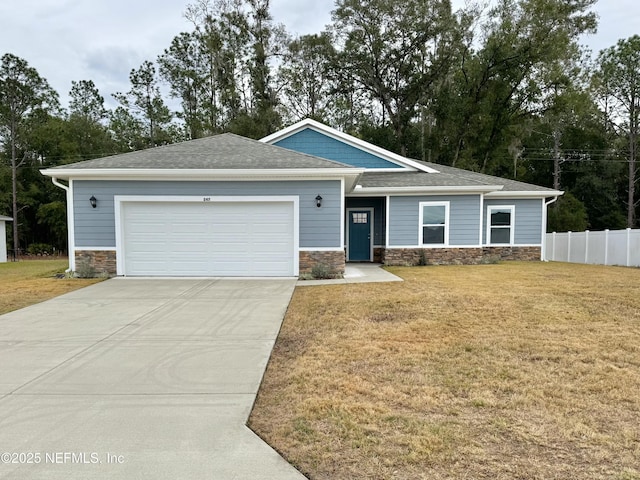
pixel 309 194
pixel 3 237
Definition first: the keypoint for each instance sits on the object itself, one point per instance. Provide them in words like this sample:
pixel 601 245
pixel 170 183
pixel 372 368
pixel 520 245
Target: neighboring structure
pixel 309 194
pixel 3 238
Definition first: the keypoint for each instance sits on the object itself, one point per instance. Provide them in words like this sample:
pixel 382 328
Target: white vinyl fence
pixel 611 247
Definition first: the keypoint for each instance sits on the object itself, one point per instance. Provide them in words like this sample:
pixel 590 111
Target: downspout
pixel 55 181
pixel 543 253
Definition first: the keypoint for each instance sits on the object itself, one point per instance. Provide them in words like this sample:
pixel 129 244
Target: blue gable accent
pixel 315 143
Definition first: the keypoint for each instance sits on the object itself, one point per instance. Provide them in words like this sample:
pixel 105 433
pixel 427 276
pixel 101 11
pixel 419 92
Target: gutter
pixel 543 253
pixel 66 188
pixel 553 200
pixel 525 194
pixel 55 181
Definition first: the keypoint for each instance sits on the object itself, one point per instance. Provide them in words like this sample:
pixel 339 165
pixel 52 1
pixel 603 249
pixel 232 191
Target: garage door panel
pixel 188 249
pixel 149 251
pixel 189 228
pixel 269 230
pixel 212 239
pixel 186 269
pixel 147 228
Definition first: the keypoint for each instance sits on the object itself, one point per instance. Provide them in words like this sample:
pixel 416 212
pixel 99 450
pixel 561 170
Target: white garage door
pixel 208 239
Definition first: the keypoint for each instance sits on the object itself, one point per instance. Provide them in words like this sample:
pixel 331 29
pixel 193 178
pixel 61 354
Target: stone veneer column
pixel 334 260
pixel 102 261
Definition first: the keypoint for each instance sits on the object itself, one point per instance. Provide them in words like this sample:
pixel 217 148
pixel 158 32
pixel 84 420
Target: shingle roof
pixel 413 179
pixel 225 151
pixel 509 185
pixel 448 177
pixel 233 152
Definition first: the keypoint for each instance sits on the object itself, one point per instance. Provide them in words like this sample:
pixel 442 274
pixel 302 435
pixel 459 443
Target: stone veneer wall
pixel 457 256
pixel 334 260
pixel 103 261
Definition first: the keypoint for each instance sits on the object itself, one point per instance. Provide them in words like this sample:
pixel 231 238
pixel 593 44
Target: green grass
pixel 27 282
pixel 32 268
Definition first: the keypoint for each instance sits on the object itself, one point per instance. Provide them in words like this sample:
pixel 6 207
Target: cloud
pixel 102 40
pixel 109 68
pixel 302 17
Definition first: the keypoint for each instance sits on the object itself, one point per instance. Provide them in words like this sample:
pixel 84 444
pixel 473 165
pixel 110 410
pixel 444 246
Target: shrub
pixel 490 260
pixel 40 249
pixel 85 270
pixel 322 271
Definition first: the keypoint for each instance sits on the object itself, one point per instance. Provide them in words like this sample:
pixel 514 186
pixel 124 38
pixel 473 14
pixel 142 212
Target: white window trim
pixel 512 226
pixel 446 206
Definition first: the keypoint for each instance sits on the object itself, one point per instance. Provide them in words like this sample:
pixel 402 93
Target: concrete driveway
pixel 140 378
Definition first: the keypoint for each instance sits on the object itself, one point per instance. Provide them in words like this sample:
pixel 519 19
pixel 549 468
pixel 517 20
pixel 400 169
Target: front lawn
pixel 518 370
pixel 27 282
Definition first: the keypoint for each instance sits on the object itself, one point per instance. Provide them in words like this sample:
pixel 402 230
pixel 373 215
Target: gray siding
pixel 319 227
pixel 528 214
pixel 464 219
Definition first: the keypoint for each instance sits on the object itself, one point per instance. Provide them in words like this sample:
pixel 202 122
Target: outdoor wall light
pixel 318 201
pixel 93 201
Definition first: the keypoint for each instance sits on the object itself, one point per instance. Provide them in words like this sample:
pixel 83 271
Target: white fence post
pixel 606 246
pixel 553 251
pixel 586 246
pixel 568 246
pixel 628 263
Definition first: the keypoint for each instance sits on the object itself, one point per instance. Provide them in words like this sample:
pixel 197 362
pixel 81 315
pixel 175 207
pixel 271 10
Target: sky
pixel 102 40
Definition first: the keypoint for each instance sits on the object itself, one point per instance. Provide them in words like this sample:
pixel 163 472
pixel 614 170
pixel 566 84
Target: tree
pixel 126 130
pixel 396 51
pixel 306 78
pixel 617 81
pixel 86 101
pixel 182 66
pixel 23 94
pixel 591 170
pixel 86 121
pixel 521 60
pixel 53 215
pixel 268 40
pixel 144 99
pixel 569 216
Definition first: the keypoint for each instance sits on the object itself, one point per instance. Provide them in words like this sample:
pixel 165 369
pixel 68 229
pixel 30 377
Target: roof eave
pixel 453 190
pixel 350 174
pixel 525 194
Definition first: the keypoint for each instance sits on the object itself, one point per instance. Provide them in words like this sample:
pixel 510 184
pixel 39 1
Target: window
pixel 360 217
pixel 500 221
pixel 434 223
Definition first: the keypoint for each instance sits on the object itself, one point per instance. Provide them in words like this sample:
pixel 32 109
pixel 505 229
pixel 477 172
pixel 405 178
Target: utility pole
pixel 633 133
pixel 14 189
pixel 556 159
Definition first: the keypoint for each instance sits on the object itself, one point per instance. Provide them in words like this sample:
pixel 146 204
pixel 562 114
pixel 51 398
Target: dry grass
pixel 31 281
pixel 513 371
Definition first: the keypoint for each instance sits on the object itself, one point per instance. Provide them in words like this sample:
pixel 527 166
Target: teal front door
pixel 359 242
